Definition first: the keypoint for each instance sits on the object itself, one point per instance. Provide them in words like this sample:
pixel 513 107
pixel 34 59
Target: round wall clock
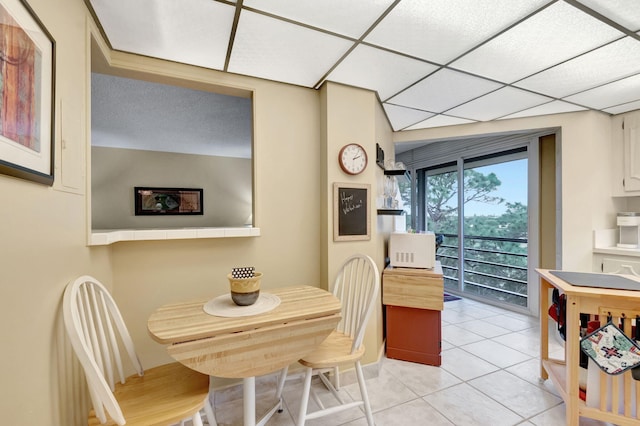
pixel 352 159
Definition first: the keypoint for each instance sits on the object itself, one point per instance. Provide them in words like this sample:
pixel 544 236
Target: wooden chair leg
pixel 365 395
pixel 306 390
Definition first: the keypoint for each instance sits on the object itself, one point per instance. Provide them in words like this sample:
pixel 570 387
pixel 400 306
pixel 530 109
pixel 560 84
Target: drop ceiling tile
pixel 196 35
pixel 611 62
pixel 379 70
pixel 401 117
pixel 351 18
pixel 505 101
pixel 554 107
pixel 281 51
pixel 444 89
pixel 440 31
pixel 556 34
pixel 439 120
pixel 624 12
pixel 619 109
pixel 609 95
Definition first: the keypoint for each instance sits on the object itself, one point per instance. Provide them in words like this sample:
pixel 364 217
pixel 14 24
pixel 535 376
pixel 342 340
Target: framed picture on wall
pixel 351 213
pixel 168 201
pixel 27 109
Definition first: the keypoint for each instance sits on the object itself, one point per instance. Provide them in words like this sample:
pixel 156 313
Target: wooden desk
pixel 245 347
pixel 565 373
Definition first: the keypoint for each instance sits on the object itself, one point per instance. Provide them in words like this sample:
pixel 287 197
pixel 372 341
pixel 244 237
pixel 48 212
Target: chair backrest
pixel 92 319
pixel 357 286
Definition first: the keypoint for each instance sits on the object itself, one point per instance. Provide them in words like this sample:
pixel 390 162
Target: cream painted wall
pixel 44 247
pixel 384 224
pixel 225 181
pixel 585 155
pixel 353 115
pixel 350 118
pixel 287 209
pixel 44 229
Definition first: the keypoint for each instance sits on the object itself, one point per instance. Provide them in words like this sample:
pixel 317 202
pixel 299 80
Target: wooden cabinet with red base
pixel 413 334
pixel 414 300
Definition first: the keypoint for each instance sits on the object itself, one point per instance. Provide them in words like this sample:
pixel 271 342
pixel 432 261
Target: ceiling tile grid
pixel 440 31
pixel 619 109
pixel 624 12
pixel 277 50
pixel 609 95
pixel 439 121
pixel 443 90
pixel 432 62
pixel 549 37
pixel 498 104
pixel 379 70
pixel 350 18
pixel 401 117
pixel 553 107
pixel 608 63
pixel 197 35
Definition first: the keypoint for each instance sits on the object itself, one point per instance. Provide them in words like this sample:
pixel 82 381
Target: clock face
pixel 352 159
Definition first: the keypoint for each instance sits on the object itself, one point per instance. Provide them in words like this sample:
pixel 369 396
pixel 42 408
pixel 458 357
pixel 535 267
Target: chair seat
pixel 334 350
pixel 164 395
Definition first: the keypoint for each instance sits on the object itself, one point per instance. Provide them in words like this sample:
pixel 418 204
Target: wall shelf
pixel 395 172
pixel 391 212
pixel 399 174
pixel 110 236
pixel 604 242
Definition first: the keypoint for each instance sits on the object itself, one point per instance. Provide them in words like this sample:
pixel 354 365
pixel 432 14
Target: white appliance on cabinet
pixel 412 250
pixel 629 227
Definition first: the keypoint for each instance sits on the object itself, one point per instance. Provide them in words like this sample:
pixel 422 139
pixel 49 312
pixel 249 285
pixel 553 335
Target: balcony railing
pixel 494 267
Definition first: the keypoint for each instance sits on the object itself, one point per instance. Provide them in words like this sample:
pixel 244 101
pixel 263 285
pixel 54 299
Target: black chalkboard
pixel 351 212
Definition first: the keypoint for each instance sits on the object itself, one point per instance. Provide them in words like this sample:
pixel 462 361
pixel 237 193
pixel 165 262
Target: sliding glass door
pixel 438 212
pixel 479 206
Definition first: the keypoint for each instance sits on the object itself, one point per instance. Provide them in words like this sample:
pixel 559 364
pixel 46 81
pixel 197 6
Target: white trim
pixel 107 237
pixel 533 210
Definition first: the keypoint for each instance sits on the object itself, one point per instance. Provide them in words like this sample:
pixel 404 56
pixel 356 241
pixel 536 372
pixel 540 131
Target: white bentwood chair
pixel 357 286
pixel 163 395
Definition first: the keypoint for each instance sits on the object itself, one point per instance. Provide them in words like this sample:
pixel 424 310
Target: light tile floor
pixel 489 377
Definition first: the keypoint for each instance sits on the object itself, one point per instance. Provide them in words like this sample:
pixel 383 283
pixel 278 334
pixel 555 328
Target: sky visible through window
pixel 513 188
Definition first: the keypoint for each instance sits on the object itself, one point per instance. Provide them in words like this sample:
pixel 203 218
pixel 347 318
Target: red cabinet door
pixel 413 334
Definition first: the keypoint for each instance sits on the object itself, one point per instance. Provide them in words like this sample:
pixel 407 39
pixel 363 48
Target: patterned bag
pixel 611 349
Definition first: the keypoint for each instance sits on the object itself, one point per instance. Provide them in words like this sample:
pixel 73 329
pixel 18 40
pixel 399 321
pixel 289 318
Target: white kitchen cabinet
pixel 626 154
pixel 631 144
pixel 621 265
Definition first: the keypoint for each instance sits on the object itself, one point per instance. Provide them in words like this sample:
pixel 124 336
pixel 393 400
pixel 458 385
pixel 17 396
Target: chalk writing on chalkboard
pixel 351 212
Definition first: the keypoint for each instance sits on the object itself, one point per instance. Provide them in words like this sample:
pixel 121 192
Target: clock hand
pixel 356 157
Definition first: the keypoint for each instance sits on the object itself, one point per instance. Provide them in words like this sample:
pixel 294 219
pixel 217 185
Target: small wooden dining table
pixel 247 346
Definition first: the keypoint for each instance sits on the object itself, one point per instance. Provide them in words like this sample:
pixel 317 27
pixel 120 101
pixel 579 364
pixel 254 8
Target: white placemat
pixel 223 306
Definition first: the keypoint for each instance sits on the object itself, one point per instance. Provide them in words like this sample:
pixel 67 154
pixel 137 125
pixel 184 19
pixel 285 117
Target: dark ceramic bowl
pixel 245 291
pixel 245 299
